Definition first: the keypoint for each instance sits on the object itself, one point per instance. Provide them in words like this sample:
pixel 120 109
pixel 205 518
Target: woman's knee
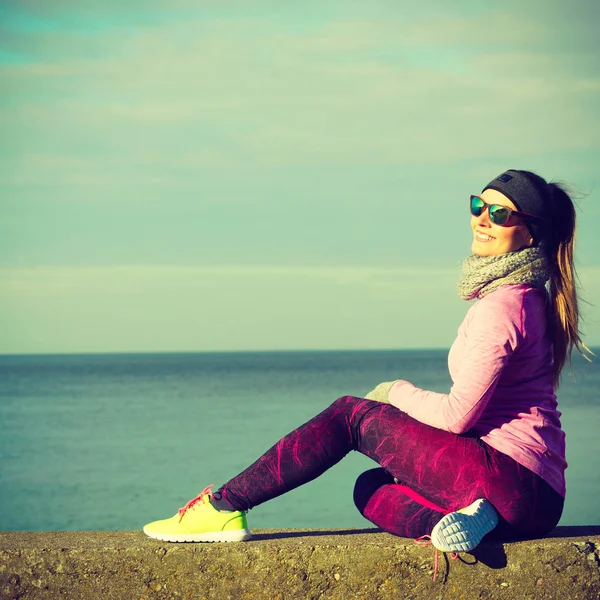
pixel 352 408
pixel 345 401
pixel 367 484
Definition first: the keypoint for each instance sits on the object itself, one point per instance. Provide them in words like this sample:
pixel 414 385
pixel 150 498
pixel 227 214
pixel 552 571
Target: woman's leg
pixel 400 510
pixel 394 507
pixel 528 505
pixel 445 469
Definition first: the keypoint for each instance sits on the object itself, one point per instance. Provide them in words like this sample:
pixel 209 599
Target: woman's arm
pixel 493 334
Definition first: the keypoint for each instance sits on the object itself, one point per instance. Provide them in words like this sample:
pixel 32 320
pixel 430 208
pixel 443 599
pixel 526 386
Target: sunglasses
pixel 499 215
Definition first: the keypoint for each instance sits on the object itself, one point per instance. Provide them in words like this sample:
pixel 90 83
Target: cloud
pixel 324 121
pixel 242 93
pixel 133 308
pixel 188 308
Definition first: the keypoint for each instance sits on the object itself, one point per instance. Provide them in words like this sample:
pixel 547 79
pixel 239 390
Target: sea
pixel 113 441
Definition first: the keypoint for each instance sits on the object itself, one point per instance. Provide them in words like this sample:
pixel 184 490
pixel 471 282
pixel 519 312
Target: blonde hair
pixel 559 243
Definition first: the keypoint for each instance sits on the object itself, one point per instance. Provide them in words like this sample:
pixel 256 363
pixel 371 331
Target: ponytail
pixel 559 243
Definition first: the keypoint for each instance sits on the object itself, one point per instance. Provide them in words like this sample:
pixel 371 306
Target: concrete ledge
pixel 295 564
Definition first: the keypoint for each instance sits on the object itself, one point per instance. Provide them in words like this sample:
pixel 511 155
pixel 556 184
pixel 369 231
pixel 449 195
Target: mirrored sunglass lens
pixel 499 214
pixel 477 205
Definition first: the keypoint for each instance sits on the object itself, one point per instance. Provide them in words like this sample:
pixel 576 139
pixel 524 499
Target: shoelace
pixel 199 498
pixel 425 540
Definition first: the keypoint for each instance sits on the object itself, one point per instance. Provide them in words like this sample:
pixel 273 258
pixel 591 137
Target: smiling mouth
pixel 483 237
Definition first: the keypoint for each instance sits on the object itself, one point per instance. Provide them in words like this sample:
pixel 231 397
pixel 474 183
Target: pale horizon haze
pixel 189 176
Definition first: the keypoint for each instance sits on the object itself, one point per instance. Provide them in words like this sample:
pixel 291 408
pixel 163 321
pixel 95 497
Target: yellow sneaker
pixel 200 521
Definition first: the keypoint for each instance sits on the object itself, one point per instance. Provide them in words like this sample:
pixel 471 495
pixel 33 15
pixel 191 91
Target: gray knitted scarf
pixel 484 274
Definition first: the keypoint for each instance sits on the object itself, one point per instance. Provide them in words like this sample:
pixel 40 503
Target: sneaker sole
pixel 460 532
pixel 238 535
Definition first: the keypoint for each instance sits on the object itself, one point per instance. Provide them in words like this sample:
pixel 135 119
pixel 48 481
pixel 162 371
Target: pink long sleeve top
pixel 502 392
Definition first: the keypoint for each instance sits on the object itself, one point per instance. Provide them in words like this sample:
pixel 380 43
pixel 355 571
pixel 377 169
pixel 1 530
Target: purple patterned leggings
pixel 438 472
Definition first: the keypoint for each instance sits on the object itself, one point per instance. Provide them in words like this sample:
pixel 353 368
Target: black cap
pixel 527 197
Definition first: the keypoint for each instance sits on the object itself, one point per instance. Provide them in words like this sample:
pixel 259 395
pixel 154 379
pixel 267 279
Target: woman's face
pixel 490 239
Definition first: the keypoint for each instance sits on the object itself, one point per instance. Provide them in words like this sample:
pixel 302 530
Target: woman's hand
pixel 380 393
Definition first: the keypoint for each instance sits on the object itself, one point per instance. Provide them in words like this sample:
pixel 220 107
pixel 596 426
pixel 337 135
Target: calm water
pixel 115 441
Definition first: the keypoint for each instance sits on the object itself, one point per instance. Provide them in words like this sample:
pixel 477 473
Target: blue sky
pixel 181 176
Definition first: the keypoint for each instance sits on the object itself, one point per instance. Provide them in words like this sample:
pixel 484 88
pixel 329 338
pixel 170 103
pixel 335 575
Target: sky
pixel 185 175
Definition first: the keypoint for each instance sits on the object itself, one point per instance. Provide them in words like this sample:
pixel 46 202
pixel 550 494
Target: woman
pixel 488 455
